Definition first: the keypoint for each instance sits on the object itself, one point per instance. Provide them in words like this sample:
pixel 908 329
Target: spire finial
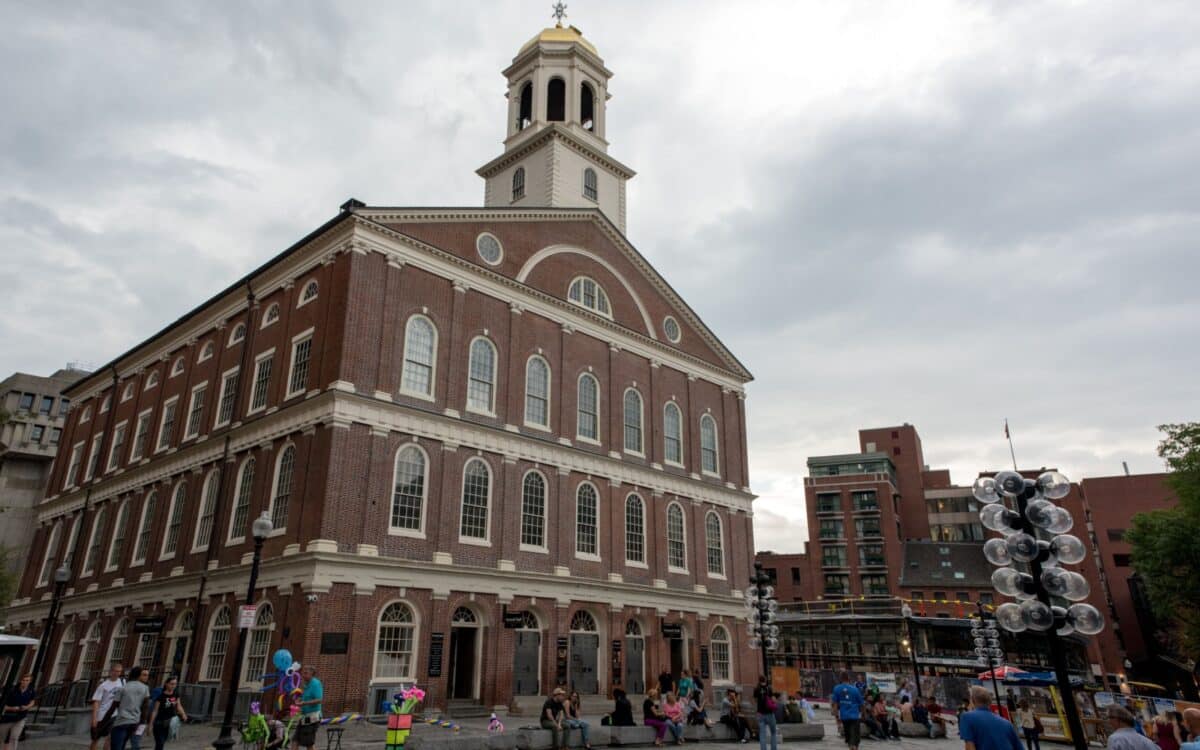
pixel 560 12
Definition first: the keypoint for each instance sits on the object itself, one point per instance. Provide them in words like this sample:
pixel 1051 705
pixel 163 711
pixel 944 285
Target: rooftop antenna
pixel 1008 437
pixel 1125 464
pixel 560 12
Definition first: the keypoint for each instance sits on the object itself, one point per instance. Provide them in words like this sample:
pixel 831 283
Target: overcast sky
pixel 937 213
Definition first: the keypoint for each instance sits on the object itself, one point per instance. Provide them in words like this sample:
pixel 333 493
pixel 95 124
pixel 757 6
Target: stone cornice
pixel 549 132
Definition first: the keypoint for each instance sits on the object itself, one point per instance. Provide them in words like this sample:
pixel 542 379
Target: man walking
pixel 981 729
pixel 1123 736
pixel 103 699
pixel 130 720
pixel 847 701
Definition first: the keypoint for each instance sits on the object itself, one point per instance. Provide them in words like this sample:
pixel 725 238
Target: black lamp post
pixel 260 529
pixel 907 612
pixel 61 576
pixel 760 599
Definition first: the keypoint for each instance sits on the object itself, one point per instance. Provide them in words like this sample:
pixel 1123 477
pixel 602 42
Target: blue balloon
pixel 282 659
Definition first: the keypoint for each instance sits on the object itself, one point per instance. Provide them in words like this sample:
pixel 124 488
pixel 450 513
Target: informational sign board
pixel 561 648
pixel 513 620
pixel 335 643
pixel 247 613
pixel 149 624
pixel 885 681
pixel 617 671
pixel 704 666
pixel 437 642
pixel 672 630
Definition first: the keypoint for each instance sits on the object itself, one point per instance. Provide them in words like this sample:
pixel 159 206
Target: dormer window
pixel 587 108
pixel 585 292
pixel 518 184
pixel 589 184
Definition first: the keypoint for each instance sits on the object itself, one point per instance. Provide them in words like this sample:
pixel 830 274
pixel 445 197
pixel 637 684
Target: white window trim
pixel 72 478
pixel 106 404
pixel 159 447
pixel 491 412
pixel 127 392
pixel 487 528
pixel 206 656
pixel 716 446
pixel 86 415
pixel 625 524
pixel 543 549
pixel 89 471
pixel 134 560
pixel 414 663
pixel 232 341
pixel 86 571
pixel 266 318
pixel 683 513
pixel 187 433
pixel 151 381
pixel 244 679
pixel 418 533
pixel 136 424
pixel 112 449
pixel 230 539
pixel 231 372
pixel 275 488
pixel 302 301
pixel 549 395
pixel 641 422
pixel 213 475
pixel 682 448
pixel 606 315
pixel 162 547
pixel 206 352
pixel 48 554
pixel 599 422
pixel 728 641
pixel 176 368
pixel 268 354
pixel 589 556
pixel 122 517
pixel 432 395
pixel 296 341
pixel 720 541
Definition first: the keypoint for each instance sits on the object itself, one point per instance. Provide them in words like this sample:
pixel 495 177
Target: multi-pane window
pixel 51 554
pixel 118 446
pixel 95 542
pixel 241 504
pixel 147 647
pixel 676 546
pixel 672 433
pixel 635 529
pixel 420 347
pixel 708 444
pixel 394 648
pixel 218 645
pixel 271 315
pixel 282 496
pixel 229 386
pixel 587 293
pixel 712 544
pixel 126 394
pixel 833 556
pixel 262 381
pixel 141 434
pixel 588 420
pixel 718 646
pixel 93 457
pixel 830 529
pixel 117 545
pixel 55 435
pixel 298 380
pixel 864 500
pixel 586 519
pixel 837 584
pixel 38 433
pixel 537 392
pixel 116 647
pixel 47 405
pixel 91 650
pixel 871 554
pixel 408 489
pixel 533 511
pixel 518 184
pixel 195 412
pixel 167 425
pixel 310 293
pixel 260 643
pixel 476 491
pixel 875 585
pixel 206 352
pixel 481 376
pixel 73 466
pixel 633 421
pixel 175 520
pixel 589 184
pixel 145 528
pixel 238 335
pixel 867 527
pixel 151 381
pixel 829 502
pixel 176 367
pixel 69 550
pixel 208 509
pixel 26 402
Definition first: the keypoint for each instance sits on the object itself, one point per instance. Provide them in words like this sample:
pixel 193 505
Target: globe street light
pixel 61 576
pixel 911 638
pixel 260 529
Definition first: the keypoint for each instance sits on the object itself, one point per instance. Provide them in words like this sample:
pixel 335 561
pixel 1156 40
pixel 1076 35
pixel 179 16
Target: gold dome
pixel 560 34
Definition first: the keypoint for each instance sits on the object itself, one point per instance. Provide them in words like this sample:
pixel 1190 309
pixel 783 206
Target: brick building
pixel 498 450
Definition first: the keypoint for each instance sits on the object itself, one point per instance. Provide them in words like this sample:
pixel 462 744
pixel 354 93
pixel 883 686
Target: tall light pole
pixel 260 529
pixel 61 576
pixel 987 648
pixel 907 613
pixel 760 599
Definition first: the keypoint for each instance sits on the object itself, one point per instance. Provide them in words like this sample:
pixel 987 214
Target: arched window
pixel 394 647
pixel 145 527
pixel 525 108
pixel 676 545
pixel 633 629
pixel 309 294
pixel 583 622
pixel 556 100
pixel 633 421
pixel 260 644
pixel 127 393
pixel 69 550
pixel 66 647
pixel 95 542
pixel 708 444
pixel 218 645
pixel 672 434
pixel 481 377
pixel 91 651
pixel 518 186
pixel 174 521
pixel 208 509
pixel 477 481
pixel 206 352
pixel 241 503
pixel 151 381
pixel 587 107
pixel 285 467
pixel 635 530
pixel 238 335
pixel 116 645
pixel 147 651
pixel 585 292
pixel 587 423
pixel 177 367
pixel 533 511
pixel 271 315
pixel 718 645
pixel 537 392
pixel 117 545
pixel 51 554
pixel 712 543
pixel 408 490
pixel 464 617
pixel 420 351
pixel 589 184
pixel 587 518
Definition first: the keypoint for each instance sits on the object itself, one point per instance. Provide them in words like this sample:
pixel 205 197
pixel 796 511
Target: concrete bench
pixel 601 736
pixel 913 729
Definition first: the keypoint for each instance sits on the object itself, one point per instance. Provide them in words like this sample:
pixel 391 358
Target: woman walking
pixel 1166 733
pixel 167 710
pixel 765 707
pixel 1029 724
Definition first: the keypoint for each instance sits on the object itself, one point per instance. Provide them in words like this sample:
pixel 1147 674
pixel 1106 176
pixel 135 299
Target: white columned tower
pixel 555 152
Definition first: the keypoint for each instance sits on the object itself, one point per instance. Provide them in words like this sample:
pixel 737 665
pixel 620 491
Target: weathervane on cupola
pixel 560 12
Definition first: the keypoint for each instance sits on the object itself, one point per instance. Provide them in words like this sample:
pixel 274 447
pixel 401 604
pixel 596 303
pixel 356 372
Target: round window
pixel 489 248
pixel 671 328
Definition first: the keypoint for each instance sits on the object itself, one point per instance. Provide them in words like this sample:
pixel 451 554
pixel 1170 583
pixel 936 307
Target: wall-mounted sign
pixel 704 669
pixel 335 643
pixel 560 660
pixel 672 630
pixel 616 672
pixel 149 624
pixel 247 613
pixel 513 620
pixel 436 644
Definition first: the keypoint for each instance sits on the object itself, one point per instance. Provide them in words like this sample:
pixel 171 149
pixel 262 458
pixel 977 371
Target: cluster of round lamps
pixel 763 610
pixel 987 643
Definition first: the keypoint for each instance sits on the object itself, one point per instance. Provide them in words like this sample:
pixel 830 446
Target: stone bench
pixel 600 736
pixel 913 729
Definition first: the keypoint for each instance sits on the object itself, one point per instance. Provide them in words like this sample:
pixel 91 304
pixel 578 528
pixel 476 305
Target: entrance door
pixel 584 647
pixel 462 662
pixel 677 663
pixel 526 661
pixel 179 653
pixel 635 669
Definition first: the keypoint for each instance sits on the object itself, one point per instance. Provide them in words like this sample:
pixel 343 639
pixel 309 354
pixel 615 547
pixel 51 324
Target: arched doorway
pixel 527 656
pixel 584 654
pixel 635 658
pixel 465 643
pixel 181 641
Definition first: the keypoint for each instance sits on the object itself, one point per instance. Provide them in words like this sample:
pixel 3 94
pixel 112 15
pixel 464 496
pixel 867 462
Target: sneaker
pixel 744 740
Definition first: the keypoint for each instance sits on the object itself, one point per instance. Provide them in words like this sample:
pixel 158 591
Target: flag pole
pixel 1011 452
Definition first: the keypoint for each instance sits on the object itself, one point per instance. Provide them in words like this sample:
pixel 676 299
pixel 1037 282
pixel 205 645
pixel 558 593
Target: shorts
pixel 852 730
pixel 101 730
pixel 306 734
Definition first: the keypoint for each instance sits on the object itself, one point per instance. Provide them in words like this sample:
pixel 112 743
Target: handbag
pixel 1037 725
pixel 173 728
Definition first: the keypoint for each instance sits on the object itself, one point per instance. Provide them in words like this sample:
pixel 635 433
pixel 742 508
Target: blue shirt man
pixel 849 701
pixel 981 729
pixel 314 692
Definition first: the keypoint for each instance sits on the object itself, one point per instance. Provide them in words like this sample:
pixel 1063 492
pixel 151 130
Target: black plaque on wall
pixel 560 661
pixel 513 620
pixel 704 662
pixel 436 644
pixel 149 624
pixel 617 673
pixel 672 630
pixel 335 643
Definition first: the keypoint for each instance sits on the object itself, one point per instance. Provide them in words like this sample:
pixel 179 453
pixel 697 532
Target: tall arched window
pixel 91 651
pixel 146 653
pixel 537 392
pixel 633 421
pixel 525 108
pixel 481 377
pixel 208 510
pixel 676 544
pixel 556 100
pixel 241 503
pixel 259 644
pixel 518 186
pixel 708 444
pixel 477 480
pixel 533 511
pixel 95 542
pixel 672 434
pixel 420 351
pixel 587 519
pixel 218 645
pixel 66 649
pixel 285 468
pixel 174 521
pixel 718 644
pixel 585 292
pixel 116 645
pixel 117 546
pixel 587 423
pixel 712 543
pixel 51 554
pixel 635 530
pixel 145 528
pixel 408 490
pixel 587 107
pixel 394 647
pixel 590 190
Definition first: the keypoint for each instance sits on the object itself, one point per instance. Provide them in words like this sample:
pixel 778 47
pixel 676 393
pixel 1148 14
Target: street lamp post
pixel 61 576
pixel 760 599
pixel 1034 535
pixel 260 529
pixel 907 612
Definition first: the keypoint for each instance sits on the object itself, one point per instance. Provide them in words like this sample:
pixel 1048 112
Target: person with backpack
pixel 130 720
pixel 104 705
pixel 765 705
pixel 167 714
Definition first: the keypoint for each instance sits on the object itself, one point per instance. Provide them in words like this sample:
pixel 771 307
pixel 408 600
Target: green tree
pixel 1166 543
pixel 8 581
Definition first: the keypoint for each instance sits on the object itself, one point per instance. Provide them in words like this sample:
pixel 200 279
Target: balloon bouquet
pixel 286 682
